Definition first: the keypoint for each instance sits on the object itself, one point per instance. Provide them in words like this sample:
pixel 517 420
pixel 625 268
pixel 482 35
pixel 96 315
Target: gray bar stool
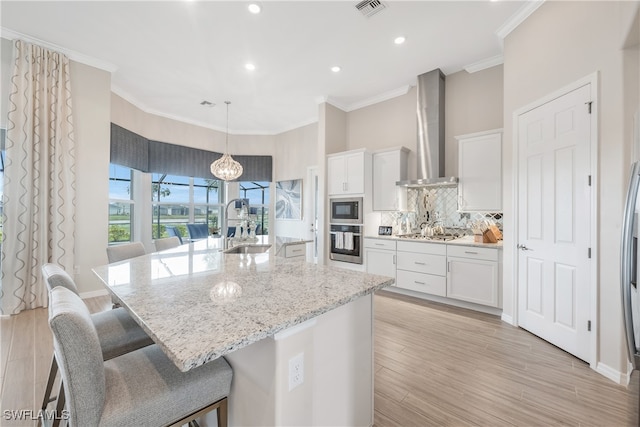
pixel 142 387
pixel 167 243
pixel 125 251
pixel 118 333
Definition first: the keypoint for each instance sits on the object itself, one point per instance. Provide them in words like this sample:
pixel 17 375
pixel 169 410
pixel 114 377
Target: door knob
pixel 523 247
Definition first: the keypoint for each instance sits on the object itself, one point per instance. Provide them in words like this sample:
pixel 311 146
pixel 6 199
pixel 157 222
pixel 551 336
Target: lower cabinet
pixel 380 257
pixel 466 273
pixel 473 275
pixel 291 251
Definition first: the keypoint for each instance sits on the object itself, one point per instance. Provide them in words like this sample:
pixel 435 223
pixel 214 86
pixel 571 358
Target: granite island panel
pixel 199 303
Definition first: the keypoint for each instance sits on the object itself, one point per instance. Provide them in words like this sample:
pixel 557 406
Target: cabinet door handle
pixel 419 283
pixel 420 263
pixel 471 252
pixel 394 259
pixel 448 266
pixel 379 244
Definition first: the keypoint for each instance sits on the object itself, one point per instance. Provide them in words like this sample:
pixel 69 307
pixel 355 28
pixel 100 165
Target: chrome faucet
pixel 225 227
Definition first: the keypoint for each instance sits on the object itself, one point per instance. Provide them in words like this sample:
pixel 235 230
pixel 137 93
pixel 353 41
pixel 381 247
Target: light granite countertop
pixel 464 241
pixel 199 303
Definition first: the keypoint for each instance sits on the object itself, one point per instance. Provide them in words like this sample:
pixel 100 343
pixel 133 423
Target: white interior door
pixel 554 200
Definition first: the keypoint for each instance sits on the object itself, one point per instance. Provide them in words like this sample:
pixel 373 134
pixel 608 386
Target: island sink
pixel 248 249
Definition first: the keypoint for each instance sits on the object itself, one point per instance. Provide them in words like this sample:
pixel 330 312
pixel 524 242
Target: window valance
pixel 134 151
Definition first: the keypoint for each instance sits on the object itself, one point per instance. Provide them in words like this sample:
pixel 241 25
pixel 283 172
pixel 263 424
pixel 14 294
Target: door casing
pixel 591 79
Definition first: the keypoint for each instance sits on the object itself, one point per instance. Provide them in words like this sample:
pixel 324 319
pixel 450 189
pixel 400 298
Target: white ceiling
pixel 168 56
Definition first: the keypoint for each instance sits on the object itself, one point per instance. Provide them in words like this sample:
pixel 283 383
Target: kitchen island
pixel 298 336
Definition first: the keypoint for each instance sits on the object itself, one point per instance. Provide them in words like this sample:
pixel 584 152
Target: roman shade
pixel 129 149
pixel 134 151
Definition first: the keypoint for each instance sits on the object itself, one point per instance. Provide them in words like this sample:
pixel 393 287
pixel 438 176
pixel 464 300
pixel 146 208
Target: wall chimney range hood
pixel 430 146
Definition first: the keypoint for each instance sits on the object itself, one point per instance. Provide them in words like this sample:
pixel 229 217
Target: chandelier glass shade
pixel 225 168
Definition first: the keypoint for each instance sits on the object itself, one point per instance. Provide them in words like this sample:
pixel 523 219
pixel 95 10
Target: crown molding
pixel 484 64
pixel 403 90
pixel 71 54
pixel 365 102
pixel 518 18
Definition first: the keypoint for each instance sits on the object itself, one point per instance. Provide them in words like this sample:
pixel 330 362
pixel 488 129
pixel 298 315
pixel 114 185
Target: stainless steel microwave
pixel 346 210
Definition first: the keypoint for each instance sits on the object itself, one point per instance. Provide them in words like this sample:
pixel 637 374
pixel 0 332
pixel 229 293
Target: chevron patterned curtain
pixel 39 186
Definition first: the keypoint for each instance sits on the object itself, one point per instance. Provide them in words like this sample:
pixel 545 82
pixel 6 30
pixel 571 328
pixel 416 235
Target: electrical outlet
pixel 296 371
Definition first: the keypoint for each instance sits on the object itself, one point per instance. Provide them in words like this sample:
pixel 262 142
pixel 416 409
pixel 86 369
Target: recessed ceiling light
pixel 254 8
pixel 335 69
pixel 399 40
pixel 250 67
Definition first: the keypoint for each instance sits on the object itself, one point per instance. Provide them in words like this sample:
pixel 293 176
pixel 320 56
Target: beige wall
pixel 473 103
pixel 295 152
pixel 559 44
pixel 91 91
pixel 391 123
pixel 335 129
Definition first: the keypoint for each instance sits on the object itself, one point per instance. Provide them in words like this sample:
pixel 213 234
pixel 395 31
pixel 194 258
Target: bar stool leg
pixel 221 413
pixel 53 371
pixel 59 407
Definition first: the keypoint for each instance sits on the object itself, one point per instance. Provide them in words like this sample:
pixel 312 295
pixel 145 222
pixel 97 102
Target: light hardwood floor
pixel 440 365
pixel 435 365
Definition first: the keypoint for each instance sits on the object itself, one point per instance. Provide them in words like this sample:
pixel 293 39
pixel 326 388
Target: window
pixel 258 194
pixel 120 204
pixel 207 197
pixel 178 200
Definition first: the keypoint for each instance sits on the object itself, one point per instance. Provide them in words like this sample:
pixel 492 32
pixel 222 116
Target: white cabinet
pixel 380 256
pixel 473 275
pixel 389 166
pixel 346 172
pixel 480 171
pixel 422 267
pixel 295 250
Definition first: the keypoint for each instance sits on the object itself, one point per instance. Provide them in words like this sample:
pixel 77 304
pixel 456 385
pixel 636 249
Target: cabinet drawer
pixel 291 251
pixel 422 263
pixel 423 248
pixel 427 283
pixel 473 252
pixel 380 244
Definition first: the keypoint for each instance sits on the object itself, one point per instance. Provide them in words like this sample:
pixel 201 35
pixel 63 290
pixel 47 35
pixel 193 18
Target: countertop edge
pixel 462 241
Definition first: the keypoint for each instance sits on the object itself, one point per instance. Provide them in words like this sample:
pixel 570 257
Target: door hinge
pixel 589 325
pixel 589 179
pixel 589 253
pixel 589 106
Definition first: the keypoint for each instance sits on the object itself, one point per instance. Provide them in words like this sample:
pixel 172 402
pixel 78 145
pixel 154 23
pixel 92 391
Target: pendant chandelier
pixel 225 167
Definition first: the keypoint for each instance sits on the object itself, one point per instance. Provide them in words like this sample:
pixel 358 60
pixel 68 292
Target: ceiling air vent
pixel 370 7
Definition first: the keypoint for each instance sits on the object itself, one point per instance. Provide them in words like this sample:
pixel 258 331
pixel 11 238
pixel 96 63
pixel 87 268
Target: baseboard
pixel 613 374
pixel 507 319
pixel 93 294
pixel 444 300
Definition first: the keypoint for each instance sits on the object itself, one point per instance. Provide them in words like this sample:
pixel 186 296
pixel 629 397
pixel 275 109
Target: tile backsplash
pixel 437 206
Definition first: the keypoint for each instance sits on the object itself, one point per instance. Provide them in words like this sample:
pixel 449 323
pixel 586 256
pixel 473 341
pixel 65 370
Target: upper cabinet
pixel 480 171
pixel 389 166
pixel 346 172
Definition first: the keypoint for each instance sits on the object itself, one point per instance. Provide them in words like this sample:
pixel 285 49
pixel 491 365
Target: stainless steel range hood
pixel 430 147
